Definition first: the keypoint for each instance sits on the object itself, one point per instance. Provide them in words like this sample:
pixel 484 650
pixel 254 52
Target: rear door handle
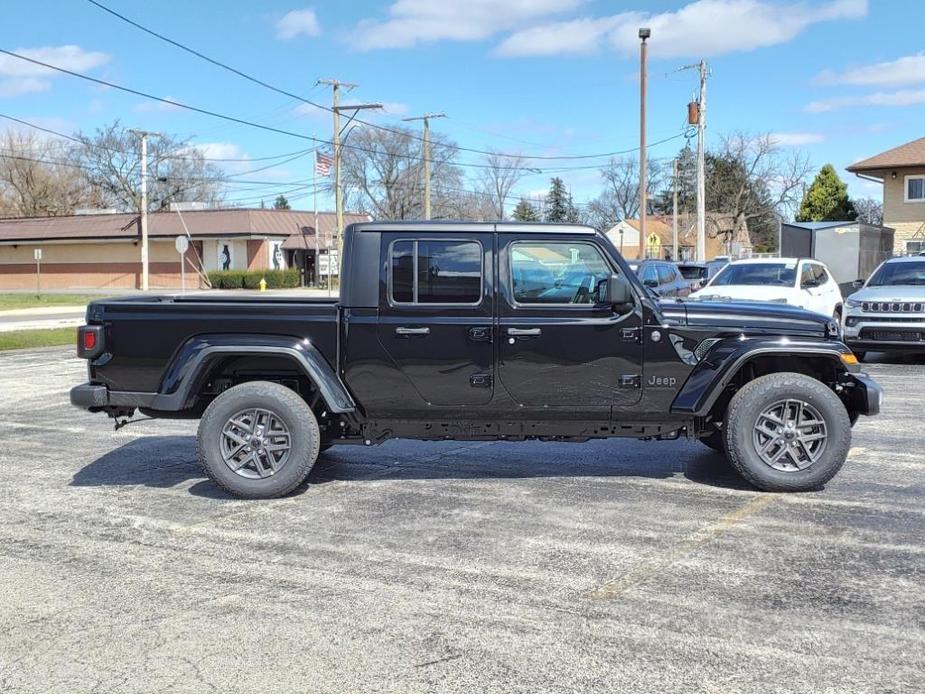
pixel 412 331
pixel 524 332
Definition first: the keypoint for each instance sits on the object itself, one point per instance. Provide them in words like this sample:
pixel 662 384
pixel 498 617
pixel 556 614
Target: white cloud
pixel 701 28
pixel 68 57
pixel 298 23
pixel 903 97
pixel 796 139
pixel 311 112
pixel 220 150
pixel 17 86
pixel 412 22
pixel 22 77
pixel 909 69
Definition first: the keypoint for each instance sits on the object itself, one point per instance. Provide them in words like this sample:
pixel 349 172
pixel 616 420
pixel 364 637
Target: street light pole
pixel 426 148
pixel 644 33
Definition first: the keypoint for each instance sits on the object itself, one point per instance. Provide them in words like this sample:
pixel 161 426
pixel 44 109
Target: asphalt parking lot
pixel 470 567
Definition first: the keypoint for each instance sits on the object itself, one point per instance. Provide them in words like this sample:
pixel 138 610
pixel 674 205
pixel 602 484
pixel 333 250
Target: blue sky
pixel 843 79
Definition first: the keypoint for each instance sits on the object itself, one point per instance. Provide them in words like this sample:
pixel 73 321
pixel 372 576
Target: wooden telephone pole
pixel 426 151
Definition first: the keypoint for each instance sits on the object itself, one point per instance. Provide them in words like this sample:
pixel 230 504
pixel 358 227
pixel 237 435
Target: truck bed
pixel 143 333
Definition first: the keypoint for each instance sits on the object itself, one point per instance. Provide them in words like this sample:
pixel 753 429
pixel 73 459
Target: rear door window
pixel 436 272
pixel 666 274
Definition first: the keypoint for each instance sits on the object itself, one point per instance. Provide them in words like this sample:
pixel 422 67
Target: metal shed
pixel 851 250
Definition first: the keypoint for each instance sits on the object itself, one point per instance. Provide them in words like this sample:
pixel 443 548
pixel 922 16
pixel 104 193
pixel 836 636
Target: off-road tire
pixel 752 399
pixel 289 407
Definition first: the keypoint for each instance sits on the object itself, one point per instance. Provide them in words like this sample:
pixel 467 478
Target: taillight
pixel 89 341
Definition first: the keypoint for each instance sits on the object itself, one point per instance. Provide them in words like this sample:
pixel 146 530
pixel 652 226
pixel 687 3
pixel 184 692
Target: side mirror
pixel 650 283
pixel 619 292
pixel 857 284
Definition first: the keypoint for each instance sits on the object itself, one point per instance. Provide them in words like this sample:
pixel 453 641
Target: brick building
pixel 101 251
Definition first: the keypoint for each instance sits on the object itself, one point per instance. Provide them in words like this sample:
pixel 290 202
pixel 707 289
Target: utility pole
pixel 336 108
pixel 701 166
pixel 644 33
pixel 426 147
pixel 144 134
pixel 674 210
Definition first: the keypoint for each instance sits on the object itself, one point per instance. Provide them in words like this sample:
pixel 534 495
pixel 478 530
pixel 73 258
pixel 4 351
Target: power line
pixel 278 90
pixel 78 140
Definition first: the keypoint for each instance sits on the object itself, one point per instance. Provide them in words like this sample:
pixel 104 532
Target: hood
pixel 743 292
pixel 891 293
pixel 752 317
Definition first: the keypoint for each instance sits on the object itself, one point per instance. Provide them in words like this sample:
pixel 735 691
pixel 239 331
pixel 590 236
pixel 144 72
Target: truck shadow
pixel 168 461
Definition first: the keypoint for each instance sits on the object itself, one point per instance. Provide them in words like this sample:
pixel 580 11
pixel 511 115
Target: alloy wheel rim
pixel 790 435
pixel 255 443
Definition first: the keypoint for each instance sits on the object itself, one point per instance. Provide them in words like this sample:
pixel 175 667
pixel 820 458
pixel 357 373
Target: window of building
pixel 436 272
pixel 915 188
pixel 915 247
pixel 557 272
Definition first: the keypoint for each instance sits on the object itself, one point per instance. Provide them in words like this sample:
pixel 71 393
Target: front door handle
pixel 524 332
pixel 412 331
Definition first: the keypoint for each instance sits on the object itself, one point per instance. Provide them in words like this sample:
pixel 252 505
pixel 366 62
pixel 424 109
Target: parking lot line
pixel 612 589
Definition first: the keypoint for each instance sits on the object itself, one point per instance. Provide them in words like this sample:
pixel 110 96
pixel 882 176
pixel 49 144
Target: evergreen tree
pixel 559 204
pixel 281 203
pixel 826 199
pixel 525 212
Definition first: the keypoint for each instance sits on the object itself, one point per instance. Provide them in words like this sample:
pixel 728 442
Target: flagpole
pixel 315 208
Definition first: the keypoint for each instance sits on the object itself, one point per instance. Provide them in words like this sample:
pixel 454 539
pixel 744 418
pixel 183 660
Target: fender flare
pixel 191 363
pixel 710 377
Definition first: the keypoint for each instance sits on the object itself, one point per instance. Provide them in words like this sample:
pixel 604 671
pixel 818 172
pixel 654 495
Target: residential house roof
pixel 909 154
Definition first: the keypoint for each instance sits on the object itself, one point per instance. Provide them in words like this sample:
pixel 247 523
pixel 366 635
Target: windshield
pixel 891 274
pixel 756 274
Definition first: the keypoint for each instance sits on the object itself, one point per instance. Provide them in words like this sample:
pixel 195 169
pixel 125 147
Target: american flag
pixel 323 163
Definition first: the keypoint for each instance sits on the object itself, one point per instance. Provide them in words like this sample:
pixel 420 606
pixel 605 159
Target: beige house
pixel 658 242
pixel 103 251
pixel 901 170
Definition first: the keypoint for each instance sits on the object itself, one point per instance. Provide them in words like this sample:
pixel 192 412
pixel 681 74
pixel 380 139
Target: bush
pixel 250 279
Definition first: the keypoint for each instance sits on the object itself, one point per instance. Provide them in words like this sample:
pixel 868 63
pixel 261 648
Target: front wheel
pixel 258 440
pixel 787 432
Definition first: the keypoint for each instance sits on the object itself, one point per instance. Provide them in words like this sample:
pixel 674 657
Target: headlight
pixel 853 303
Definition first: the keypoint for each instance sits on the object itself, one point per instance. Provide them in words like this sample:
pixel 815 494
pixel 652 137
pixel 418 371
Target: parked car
pixel 888 313
pixel 662 277
pixel 795 281
pixel 696 274
pixel 435 338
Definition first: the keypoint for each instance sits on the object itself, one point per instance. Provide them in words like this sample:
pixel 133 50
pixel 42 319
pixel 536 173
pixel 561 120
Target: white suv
pixel 796 281
pixel 888 313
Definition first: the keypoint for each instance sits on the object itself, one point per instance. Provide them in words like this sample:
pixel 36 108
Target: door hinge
pixel 629 381
pixel 480 380
pixel 480 333
pixel 630 334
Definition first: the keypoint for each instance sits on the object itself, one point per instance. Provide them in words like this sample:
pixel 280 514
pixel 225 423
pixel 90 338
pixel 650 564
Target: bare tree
pixel 620 197
pixel 35 179
pixel 383 174
pixel 177 171
pixel 754 182
pixel 869 210
pixel 500 175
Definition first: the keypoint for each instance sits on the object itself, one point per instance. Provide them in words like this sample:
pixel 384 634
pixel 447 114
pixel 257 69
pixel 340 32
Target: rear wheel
pixel 258 440
pixel 787 432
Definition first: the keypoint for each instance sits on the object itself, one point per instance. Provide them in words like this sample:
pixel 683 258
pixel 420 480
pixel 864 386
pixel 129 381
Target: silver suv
pixel 888 313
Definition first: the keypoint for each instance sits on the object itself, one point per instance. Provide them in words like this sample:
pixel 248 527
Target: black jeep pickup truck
pixel 481 331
